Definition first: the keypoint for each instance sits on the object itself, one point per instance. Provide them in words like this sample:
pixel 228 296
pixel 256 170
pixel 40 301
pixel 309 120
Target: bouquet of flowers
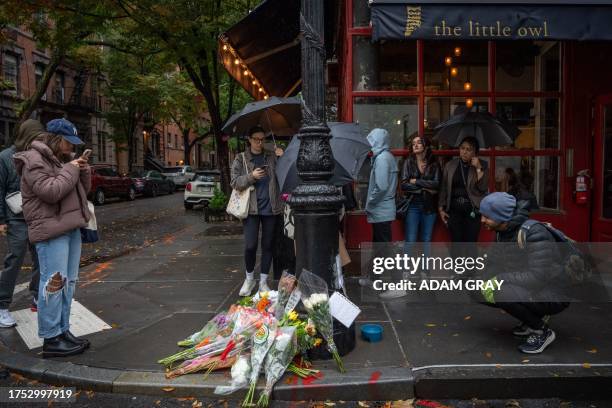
pixel 215 325
pixel 240 376
pixel 261 343
pixel 205 348
pixel 278 359
pixel 285 286
pixel 316 301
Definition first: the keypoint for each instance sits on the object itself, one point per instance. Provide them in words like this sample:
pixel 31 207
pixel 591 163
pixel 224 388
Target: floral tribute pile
pixel 261 334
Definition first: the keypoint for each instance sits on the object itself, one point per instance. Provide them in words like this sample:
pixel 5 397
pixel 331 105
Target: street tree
pixel 63 27
pixel 188 31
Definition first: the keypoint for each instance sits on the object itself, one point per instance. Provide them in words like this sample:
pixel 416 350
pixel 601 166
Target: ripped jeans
pixel 59 269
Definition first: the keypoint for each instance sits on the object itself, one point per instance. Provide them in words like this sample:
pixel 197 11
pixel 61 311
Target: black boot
pixel 74 339
pixel 58 346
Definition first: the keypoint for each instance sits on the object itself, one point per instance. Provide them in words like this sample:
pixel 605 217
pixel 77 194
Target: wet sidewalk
pixel 154 297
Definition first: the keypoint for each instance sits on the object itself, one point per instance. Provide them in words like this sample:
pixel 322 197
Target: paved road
pixel 128 225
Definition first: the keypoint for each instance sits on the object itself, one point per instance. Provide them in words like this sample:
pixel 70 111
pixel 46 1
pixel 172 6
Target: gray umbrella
pixel 281 116
pixel 350 149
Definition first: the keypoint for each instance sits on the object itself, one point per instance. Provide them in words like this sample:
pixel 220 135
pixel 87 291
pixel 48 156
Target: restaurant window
pixel 440 109
pixel 528 66
pixel 531 176
pixel 361 13
pixel 451 65
pixel 399 116
pixel 537 118
pixel 388 65
pixel 10 69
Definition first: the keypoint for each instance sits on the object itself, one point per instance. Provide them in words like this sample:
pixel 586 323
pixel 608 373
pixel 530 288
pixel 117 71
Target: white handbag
pixel 14 202
pixel 238 204
pixel 89 234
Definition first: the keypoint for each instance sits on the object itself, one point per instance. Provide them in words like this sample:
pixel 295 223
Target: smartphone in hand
pixel 86 154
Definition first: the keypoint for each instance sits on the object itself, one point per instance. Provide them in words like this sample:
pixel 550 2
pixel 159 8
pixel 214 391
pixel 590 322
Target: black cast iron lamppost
pixel 316 202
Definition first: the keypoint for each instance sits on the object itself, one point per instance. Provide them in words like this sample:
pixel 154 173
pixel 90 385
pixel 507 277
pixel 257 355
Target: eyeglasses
pixel 257 140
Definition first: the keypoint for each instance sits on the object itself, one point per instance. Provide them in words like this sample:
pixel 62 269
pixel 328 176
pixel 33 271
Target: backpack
pixel 576 265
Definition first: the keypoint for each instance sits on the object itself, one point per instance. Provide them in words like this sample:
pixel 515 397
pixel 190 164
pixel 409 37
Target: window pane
pixel 438 110
pixel 469 59
pixel 399 116
pixel 537 118
pixel 527 66
pixel 529 178
pixel 387 65
pixel 361 13
pixel 9 68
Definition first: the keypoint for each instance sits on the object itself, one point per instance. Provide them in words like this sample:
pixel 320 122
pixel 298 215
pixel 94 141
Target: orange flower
pixel 203 342
pixel 263 304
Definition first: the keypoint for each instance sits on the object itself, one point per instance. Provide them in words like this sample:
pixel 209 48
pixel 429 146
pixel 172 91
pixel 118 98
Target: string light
pixel 469 102
pixel 457 51
pixel 225 47
pixel 454 71
pixel 254 82
pixel 467 86
pixel 448 61
pixel 246 72
pixel 260 89
pixel 265 96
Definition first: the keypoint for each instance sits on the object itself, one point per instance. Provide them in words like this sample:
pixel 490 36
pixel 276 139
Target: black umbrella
pixel 280 116
pixel 487 129
pixel 350 149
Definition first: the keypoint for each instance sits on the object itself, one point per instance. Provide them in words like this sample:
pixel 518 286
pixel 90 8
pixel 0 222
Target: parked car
pixel 106 182
pixel 180 175
pixel 201 189
pixel 152 183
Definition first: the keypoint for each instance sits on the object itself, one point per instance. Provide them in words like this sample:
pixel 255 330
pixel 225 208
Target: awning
pixel 492 20
pixel 262 51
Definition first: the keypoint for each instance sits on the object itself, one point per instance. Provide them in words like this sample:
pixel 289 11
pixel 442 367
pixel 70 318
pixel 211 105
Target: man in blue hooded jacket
pixel 380 203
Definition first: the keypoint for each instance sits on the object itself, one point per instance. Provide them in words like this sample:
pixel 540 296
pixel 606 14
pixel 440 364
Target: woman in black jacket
pixel 419 183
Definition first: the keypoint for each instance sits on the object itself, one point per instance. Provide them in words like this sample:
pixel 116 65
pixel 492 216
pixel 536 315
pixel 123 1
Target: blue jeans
pixel 58 255
pixel 417 220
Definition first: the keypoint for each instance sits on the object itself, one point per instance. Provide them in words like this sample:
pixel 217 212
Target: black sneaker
pixel 538 341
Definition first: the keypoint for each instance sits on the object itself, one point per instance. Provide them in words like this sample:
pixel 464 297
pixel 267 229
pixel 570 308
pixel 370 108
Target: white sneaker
pixel 392 294
pixel 6 320
pixel 263 286
pixel 247 287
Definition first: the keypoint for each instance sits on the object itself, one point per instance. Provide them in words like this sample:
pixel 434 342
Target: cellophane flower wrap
pixel 285 286
pixel 212 327
pixel 240 372
pixel 261 342
pixel 278 359
pixel 316 301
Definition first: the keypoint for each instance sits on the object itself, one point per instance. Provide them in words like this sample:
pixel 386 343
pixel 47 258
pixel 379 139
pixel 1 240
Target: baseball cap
pixel 65 129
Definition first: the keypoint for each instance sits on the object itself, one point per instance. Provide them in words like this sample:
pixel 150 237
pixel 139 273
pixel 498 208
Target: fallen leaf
pixel 430 324
pixel 488 355
pixel 513 404
pixel 467 317
pixel 498 366
pixel 455 334
pixel 525 360
pixel 586 365
pixel 168 389
pixel 329 404
pixel 196 404
pixel 403 404
pixel 157 402
pixel 363 404
pixel 592 351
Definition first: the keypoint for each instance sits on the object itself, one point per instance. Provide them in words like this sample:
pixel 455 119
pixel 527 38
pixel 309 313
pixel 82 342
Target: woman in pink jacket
pixel 54 189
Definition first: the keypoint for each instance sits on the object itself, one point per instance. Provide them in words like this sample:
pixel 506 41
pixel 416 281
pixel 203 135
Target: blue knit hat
pixel 498 206
pixel 65 129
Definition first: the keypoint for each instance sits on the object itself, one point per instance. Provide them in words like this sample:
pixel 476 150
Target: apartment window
pixel 10 69
pixel 102 147
pixel 176 144
pixel 60 86
pixel 39 70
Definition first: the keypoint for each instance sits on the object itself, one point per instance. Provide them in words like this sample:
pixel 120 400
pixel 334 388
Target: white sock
pixel 263 277
pixel 250 275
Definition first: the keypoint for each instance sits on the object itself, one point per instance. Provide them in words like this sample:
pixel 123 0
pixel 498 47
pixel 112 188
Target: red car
pixel 106 182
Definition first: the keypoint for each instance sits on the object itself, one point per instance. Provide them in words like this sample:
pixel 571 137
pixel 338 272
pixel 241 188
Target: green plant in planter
pixel 218 202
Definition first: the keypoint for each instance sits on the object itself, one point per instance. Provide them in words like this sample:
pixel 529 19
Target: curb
pixel 500 381
pixel 365 384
